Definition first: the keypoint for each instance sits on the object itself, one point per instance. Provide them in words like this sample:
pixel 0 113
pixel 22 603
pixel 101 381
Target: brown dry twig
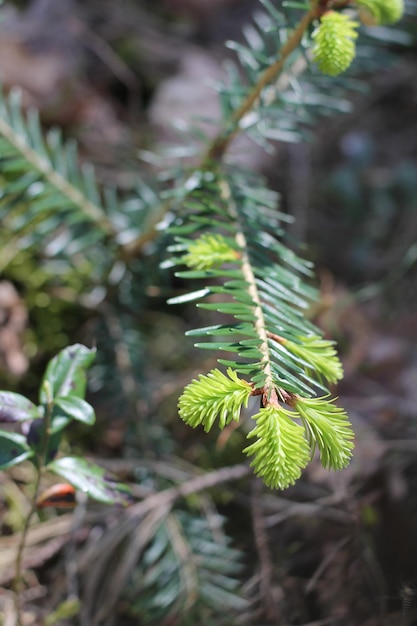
pixel 138 522
pixel 264 554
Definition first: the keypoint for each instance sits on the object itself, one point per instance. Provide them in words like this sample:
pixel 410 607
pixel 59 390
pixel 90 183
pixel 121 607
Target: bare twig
pixel 325 563
pixel 142 519
pixel 262 547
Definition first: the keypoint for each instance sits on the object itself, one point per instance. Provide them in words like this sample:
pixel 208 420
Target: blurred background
pixel 335 548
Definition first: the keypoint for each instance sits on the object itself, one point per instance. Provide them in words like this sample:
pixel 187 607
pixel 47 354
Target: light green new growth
pixel 214 396
pixel 209 251
pixel 380 11
pixel 334 48
pixel 228 232
pixel 318 354
pixel 258 283
pixel 281 450
pixel 328 427
pixel 283 447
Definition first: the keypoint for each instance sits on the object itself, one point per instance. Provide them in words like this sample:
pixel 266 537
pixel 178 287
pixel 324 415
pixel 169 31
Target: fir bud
pixel 334 48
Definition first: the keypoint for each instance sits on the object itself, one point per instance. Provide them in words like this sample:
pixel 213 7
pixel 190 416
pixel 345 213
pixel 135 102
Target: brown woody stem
pixel 276 338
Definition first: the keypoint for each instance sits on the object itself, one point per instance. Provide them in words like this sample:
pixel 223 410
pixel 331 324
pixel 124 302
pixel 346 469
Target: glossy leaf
pixel 91 479
pixel 13 449
pixel 77 408
pixel 66 372
pixel 59 421
pixel 16 408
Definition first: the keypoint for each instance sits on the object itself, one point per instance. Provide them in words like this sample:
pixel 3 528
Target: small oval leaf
pixel 16 408
pixel 59 421
pixel 66 372
pixel 77 408
pixel 91 480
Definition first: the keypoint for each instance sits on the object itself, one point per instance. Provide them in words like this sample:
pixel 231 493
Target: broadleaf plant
pixel 90 479
pixel 61 400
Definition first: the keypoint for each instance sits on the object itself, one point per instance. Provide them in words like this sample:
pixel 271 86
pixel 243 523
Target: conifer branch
pixel 41 164
pixel 249 276
pixel 221 143
pixel 228 233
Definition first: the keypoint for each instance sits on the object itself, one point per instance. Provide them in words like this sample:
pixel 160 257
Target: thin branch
pixel 221 143
pixel 153 509
pixel 163 499
pixel 264 553
pixel 249 276
pixel 41 458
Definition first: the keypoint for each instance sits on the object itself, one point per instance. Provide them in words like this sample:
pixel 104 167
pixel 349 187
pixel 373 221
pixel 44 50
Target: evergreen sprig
pixel 230 238
pixel 228 232
pixel 189 565
pixel 274 92
pixel 44 187
pixel 54 209
pixel 263 288
pixel 281 450
pixel 214 396
pixel 328 428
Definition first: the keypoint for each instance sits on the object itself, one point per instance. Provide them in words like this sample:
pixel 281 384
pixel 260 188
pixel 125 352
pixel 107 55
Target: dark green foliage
pixel 13 449
pixel 44 187
pixel 16 408
pixel 277 274
pixel 65 375
pixel 188 569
